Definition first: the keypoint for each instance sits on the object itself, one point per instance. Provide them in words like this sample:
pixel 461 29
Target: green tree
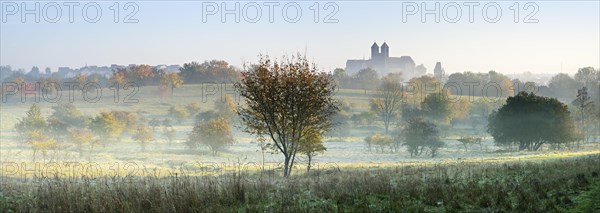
pixel 106 125
pixel 481 84
pixel 419 88
pixel 286 100
pixel 214 71
pixel 437 107
pixel 207 116
pixel 420 134
pixel 588 76
pixel 32 130
pixel 32 122
pixel 367 78
pixel 479 113
pixel 65 116
pixel 506 86
pixel 563 86
pixel 311 145
pixel 341 78
pixel 531 121
pixel 585 105
pixel 409 112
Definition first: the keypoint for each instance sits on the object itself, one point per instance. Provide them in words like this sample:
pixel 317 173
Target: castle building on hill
pixel 439 73
pixel 381 62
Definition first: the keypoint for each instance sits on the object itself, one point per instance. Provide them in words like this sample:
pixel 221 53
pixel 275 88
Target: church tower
pixel 385 50
pixel 379 59
pixel 439 72
pixel 374 51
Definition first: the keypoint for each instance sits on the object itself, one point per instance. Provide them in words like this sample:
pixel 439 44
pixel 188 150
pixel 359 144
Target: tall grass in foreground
pixel 547 186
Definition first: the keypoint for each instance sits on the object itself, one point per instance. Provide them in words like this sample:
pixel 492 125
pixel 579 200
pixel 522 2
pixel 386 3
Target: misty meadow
pixel 211 107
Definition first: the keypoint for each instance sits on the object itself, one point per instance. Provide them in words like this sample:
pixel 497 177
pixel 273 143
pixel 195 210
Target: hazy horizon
pixel 390 133
pixel 563 40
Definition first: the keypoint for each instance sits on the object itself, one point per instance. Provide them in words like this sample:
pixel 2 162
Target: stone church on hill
pixel 381 62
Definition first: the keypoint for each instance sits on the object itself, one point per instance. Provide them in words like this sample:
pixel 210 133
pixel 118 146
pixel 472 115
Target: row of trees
pixel 560 86
pixel 68 125
pixel 276 96
pixel 469 83
pixel 290 105
pixel 514 122
pixel 140 75
pixel 191 73
pixel 415 129
pixel 293 104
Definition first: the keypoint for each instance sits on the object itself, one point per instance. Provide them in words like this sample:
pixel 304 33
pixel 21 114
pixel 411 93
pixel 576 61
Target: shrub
pixel 380 141
pixel 178 113
pixel 216 134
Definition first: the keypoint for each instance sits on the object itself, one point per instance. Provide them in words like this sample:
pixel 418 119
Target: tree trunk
pixel 34 153
pixel 90 152
pixel 263 158
pixel 583 124
pixel 309 162
pixel 293 158
pixel 80 149
pixel 286 164
pixel 387 124
pixel 522 146
pixel 537 145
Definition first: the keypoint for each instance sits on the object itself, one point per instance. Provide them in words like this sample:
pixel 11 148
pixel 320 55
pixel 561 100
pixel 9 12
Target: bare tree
pixel 285 101
pixel 387 100
pixel 584 103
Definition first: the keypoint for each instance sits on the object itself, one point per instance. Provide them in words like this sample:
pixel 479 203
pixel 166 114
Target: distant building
pixel 168 68
pixel 381 62
pixel 64 69
pixel 439 72
pixel 116 67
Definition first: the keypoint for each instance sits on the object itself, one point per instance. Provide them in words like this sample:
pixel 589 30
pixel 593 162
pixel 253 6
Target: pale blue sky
pixel 566 37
